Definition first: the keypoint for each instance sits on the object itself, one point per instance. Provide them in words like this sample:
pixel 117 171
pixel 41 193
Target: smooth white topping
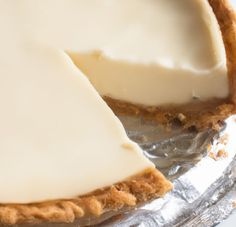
pixel 153 52
pixel 168 52
pixel 58 139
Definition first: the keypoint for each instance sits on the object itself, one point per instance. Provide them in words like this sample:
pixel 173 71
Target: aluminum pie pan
pixel 204 191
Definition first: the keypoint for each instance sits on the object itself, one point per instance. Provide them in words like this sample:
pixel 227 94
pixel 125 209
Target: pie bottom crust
pixel 127 194
pixel 198 114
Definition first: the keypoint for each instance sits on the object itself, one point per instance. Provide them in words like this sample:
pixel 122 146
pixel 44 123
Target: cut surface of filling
pixel 146 52
pixel 167 52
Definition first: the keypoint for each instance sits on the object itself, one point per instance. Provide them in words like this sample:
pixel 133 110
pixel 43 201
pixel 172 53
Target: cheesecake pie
pixel 64 155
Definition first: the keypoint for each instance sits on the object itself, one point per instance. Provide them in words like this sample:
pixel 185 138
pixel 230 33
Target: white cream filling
pixel 171 53
pixel 58 139
pixel 151 84
pixel 153 52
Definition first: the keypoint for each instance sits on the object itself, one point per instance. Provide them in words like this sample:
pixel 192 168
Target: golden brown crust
pixel 132 192
pixel 226 17
pixel 202 115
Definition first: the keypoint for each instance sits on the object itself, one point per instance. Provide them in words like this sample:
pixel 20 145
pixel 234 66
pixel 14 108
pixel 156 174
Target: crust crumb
pixel 224 139
pixel 219 155
pixel 209 147
pixel 212 155
pixel 128 146
pixel 234 203
pixel 222 154
pixel 181 117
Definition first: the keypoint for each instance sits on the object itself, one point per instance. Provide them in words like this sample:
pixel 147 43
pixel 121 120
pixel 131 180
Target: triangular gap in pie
pixel 63 153
pixel 170 63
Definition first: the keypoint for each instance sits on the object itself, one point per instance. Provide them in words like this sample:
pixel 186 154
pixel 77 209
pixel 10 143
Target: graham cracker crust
pixel 226 18
pixel 130 193
pixel 200 115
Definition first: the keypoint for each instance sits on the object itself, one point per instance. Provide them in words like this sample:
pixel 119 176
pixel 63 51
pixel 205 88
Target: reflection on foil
pixel 173 151
pixel 203 184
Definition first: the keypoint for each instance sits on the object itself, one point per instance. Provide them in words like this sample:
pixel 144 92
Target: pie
pixel 64 154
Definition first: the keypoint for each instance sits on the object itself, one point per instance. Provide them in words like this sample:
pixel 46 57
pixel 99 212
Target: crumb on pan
pixel 224 139
pixel 222 154
pixel 234 203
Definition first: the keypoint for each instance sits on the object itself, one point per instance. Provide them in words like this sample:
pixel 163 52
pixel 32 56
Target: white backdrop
pixel 234 3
